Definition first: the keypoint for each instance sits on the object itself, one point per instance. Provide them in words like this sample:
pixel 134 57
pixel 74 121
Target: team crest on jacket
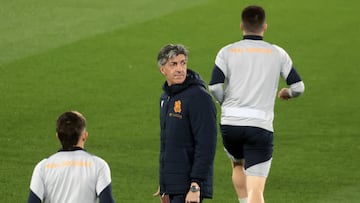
pixel 177 106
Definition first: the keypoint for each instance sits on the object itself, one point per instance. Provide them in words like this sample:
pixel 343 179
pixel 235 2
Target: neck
pixel 254 33
pixel 81 145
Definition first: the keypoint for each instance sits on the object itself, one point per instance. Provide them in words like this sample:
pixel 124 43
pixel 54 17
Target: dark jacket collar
pixel 253 37
pixel 192 78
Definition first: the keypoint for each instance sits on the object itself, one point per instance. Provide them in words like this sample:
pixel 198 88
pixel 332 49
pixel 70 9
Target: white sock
pixel 243 200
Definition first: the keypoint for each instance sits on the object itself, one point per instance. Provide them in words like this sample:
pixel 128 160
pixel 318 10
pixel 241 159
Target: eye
pixel 173 64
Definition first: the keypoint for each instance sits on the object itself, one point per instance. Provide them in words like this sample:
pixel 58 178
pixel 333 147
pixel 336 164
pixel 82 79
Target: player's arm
pixel 106 195
pixel 216 85
pixel 37 189
pixel 296 86
pixel 33 198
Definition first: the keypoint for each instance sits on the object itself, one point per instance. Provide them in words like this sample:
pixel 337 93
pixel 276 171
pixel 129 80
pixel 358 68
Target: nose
pixel 179 68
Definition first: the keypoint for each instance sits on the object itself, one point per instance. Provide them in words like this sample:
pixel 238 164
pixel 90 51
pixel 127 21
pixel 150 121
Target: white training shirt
pixel 252 69
pixel 70 177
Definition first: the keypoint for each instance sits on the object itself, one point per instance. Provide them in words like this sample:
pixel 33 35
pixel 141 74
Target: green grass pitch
pixel 99 57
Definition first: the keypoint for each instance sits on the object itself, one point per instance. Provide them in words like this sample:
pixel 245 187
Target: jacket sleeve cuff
pixel 193 180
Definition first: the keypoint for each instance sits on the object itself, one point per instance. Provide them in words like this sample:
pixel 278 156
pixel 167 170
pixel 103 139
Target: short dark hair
pixel 253 18
pixel 69 127
pixel 170 51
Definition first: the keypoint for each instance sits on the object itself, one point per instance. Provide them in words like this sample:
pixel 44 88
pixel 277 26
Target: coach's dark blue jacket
pixel 188 137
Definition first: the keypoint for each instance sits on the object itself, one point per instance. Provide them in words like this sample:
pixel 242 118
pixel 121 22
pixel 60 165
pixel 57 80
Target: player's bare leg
pixel 239 179
pixel 255 189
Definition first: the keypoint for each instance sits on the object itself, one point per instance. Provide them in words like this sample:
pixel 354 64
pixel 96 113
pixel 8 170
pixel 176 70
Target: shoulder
pixel 199 97
pixel 41 164
pixel 98 161
pixel 197 91
pixel 229 46
pixel 164 95
pixel 92 158
pixel 278 48
pixel 193 95
pixel 281 51
pixel 45 161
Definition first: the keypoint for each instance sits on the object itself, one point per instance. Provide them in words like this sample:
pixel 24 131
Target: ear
pixel 241 26
pixel 84 135
pixel 162 70
pixel 265 26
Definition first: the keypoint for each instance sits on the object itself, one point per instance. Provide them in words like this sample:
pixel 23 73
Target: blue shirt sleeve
pixel 293 77
pixel 217 76
pixel 106 195
pixel 33 198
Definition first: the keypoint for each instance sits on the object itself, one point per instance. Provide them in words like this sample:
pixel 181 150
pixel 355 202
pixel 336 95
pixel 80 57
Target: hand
pixel 192 197
pixel 284 94
pixel 163 198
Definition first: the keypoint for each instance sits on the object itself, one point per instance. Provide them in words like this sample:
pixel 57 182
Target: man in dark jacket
pixel 188 130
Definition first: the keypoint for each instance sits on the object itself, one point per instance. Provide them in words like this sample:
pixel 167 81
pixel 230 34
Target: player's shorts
pixel 253 144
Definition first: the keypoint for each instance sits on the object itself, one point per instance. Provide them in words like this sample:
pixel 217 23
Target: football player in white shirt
pixel 72 175
pixel 245 81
